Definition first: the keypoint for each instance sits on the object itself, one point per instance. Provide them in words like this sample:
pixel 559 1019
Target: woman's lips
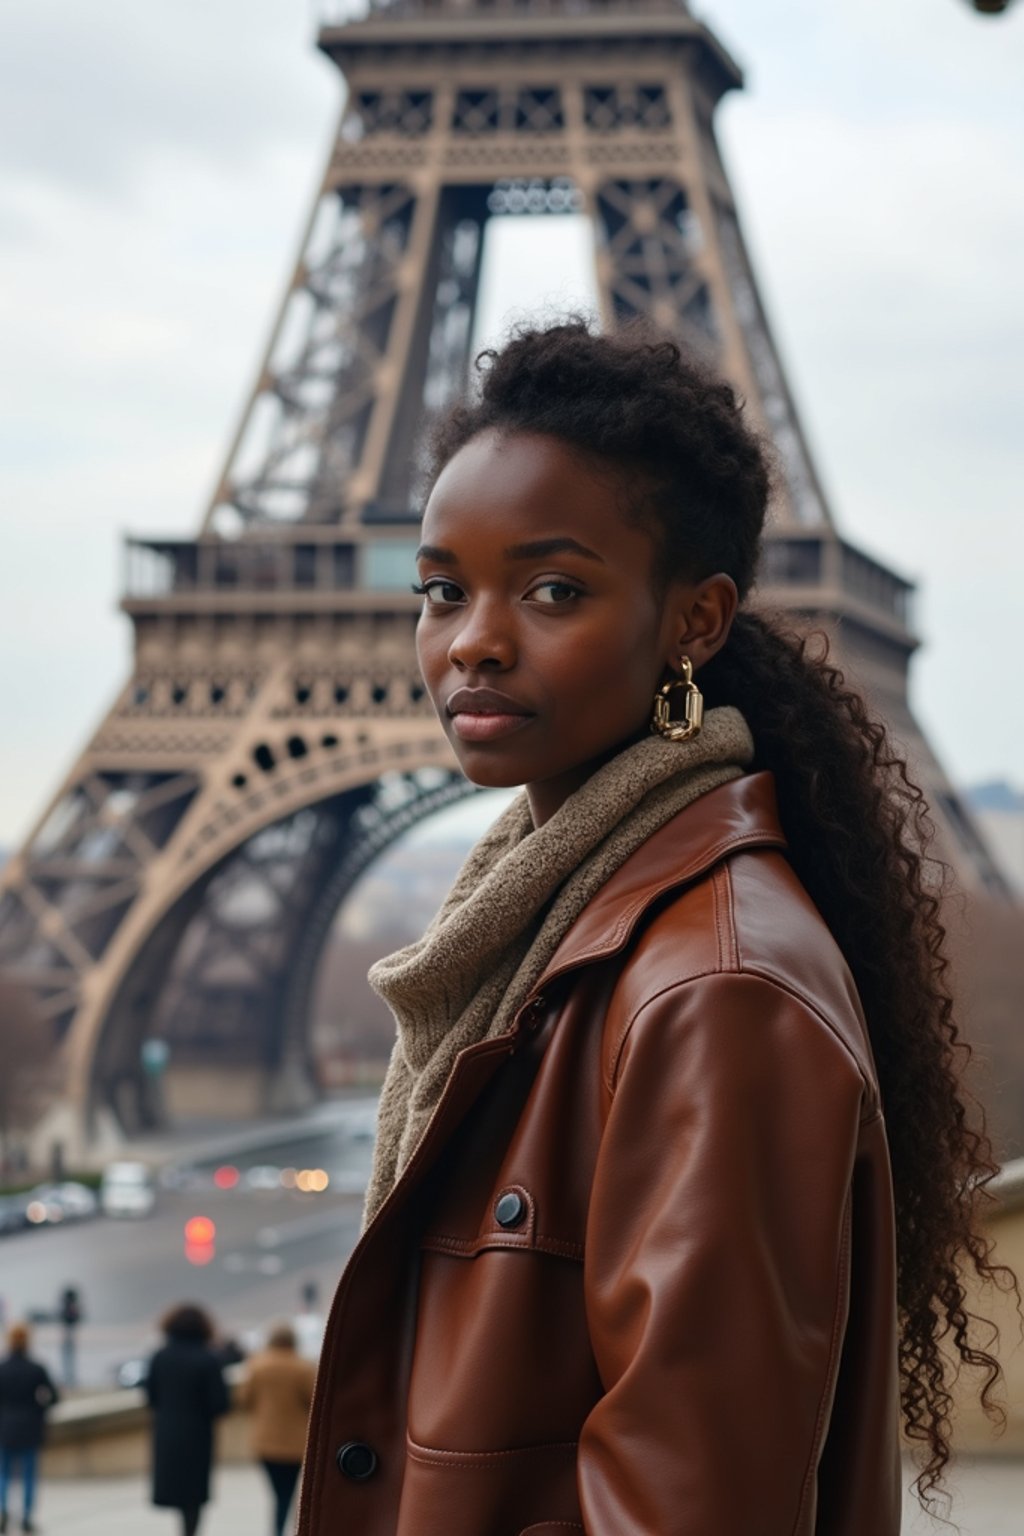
pixel 484 714
pixel 486 727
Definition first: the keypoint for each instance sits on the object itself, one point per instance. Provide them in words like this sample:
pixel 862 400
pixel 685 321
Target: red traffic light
pixel 199 1231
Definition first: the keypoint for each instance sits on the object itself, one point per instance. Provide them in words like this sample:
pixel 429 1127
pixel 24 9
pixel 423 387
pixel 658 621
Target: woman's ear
pixel 702 616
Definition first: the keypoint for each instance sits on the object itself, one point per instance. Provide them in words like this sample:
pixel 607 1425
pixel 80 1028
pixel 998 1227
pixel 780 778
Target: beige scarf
pixel 515 898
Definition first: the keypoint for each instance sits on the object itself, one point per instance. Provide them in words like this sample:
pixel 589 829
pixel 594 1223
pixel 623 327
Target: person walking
pixel 675 1191
pixel 69 1312
pixel 309 1321
pixel 186 1390
pixel 26 1396
pixel 277 1390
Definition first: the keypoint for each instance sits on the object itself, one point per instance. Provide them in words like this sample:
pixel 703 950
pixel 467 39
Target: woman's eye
pixel 440 592
pixel 552 592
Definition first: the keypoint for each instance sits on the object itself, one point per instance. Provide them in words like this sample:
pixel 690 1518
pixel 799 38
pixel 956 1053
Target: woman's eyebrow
pixel 537 548
pixel 432 552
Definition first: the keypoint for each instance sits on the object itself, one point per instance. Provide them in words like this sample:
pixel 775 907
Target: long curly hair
pixel 858 828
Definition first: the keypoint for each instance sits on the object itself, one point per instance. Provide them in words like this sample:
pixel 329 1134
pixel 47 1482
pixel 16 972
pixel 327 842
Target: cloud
pixel 132 327
pixel 90 92
pixel 872 57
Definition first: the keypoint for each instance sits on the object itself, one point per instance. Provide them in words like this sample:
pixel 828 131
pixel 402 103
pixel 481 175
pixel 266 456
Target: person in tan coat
pixel 277 1391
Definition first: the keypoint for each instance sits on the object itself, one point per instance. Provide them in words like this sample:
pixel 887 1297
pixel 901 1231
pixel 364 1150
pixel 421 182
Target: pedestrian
pixel 26 1395
pixel 674 1192
pixel 278 1390
pixel 186 1390
pixel 69 1311
pixel 309 1321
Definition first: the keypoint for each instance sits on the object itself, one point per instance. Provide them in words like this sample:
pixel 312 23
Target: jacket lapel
pixel 741 814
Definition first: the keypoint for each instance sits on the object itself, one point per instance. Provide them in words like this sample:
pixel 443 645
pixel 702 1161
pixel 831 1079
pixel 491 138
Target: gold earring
pixel 662 722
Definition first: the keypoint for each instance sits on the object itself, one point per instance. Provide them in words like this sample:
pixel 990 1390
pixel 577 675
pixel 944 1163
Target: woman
pixel 631 1260
pixel 277 1390
pixel 186 1390
pixel 26 1396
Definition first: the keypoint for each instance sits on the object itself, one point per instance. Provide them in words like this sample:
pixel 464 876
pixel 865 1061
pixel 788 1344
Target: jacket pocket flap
pixel 509 1221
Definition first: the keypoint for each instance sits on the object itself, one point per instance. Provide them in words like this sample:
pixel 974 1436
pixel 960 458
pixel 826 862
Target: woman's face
pixel 544 636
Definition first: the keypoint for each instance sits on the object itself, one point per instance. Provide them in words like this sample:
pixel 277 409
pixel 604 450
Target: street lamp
pixel 154 1055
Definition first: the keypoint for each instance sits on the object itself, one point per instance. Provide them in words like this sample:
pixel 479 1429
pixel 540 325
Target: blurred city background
pixel 221 792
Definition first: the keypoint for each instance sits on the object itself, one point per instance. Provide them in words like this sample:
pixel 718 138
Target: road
pixel 268 1243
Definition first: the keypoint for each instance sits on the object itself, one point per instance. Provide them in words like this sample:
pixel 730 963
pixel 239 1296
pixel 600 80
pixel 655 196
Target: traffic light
pixel 200 1240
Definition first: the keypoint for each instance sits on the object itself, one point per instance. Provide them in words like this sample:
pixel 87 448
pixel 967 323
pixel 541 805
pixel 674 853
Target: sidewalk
pixel 120 1507
pixel 988 1501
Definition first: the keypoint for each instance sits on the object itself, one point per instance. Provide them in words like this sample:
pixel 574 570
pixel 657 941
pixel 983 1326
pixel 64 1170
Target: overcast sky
pixel 157 163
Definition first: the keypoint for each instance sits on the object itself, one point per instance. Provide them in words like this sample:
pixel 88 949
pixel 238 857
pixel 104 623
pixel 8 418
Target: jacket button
pixel 357 1461
pixel 510 1210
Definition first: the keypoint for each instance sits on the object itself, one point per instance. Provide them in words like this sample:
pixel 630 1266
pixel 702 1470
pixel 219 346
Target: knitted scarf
pixel 514 900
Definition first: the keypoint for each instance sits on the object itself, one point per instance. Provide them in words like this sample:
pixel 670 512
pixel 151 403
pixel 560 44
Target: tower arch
pixel 222 976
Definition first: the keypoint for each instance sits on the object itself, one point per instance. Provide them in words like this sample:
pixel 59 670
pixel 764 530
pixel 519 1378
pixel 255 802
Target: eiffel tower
pixel 274 736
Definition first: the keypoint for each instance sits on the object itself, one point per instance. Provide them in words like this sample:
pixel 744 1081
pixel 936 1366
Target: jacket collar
pixel 741 814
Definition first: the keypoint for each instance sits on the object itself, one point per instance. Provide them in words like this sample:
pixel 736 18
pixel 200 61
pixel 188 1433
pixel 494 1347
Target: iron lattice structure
pixel 274 735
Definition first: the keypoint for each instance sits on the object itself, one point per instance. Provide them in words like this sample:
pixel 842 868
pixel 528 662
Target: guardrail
pixel 107 1434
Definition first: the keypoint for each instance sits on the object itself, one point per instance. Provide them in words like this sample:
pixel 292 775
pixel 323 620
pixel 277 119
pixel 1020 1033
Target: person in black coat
pixel 26 1393
pixel 187 1392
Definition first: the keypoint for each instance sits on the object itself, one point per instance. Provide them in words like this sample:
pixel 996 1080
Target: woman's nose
pixel 482 640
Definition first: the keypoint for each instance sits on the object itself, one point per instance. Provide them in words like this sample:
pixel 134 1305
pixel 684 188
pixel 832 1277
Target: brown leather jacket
pixel 639 1276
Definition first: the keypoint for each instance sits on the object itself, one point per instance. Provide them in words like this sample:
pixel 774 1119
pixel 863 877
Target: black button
pixel 510 1210
pixel 357 1461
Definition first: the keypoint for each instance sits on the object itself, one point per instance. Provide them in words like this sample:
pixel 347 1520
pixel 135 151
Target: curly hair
pixel 18 1338
pixel 187 1322
pixel 858 828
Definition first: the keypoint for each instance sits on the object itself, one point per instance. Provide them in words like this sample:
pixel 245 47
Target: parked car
pixel 77 1199
pixel 42 1208
pixel 50 1204
pixel 127 1190
pixel 12 1213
